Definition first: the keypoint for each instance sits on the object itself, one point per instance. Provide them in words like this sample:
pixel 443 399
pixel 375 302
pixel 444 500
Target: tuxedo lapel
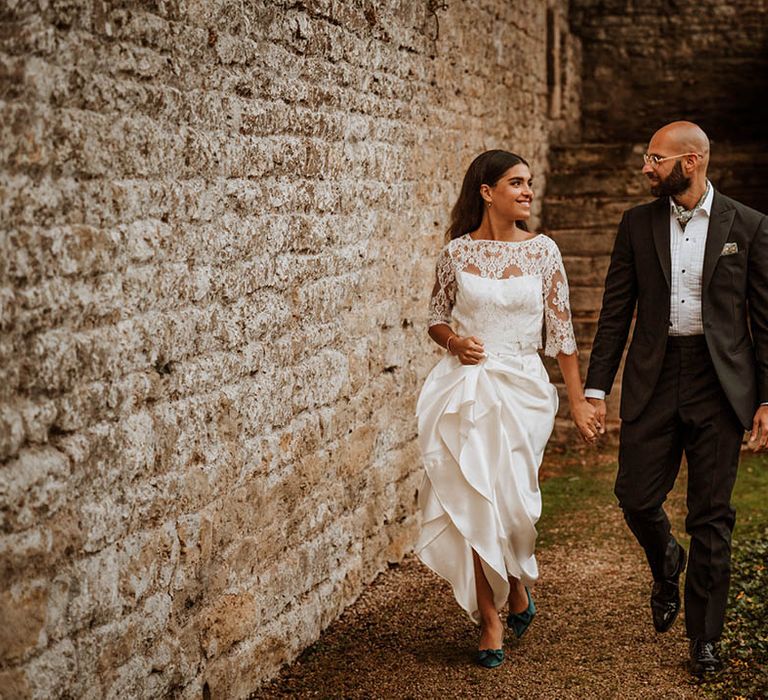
pixel 720 222
pixel 660 227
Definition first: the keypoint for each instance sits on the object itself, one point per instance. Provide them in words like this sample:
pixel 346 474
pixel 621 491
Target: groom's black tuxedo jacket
pixel 734 305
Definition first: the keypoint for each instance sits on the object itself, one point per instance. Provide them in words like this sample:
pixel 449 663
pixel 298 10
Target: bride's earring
pixel 489 204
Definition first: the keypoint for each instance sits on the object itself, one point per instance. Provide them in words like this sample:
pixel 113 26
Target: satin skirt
pixel 482 434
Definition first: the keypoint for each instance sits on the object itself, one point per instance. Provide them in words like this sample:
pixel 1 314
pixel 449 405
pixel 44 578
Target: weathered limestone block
pixel 55 670
pixel 38 489
pixel 596 241
pixel 230 620
pixel 23 610
pixel 586 212
pixel 219 228
pixel 586 271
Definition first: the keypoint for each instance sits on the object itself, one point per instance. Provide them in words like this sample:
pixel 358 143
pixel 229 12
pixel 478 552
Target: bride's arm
pixel 583 413
pixel 468 349
pixel 561 343
pixel 442 334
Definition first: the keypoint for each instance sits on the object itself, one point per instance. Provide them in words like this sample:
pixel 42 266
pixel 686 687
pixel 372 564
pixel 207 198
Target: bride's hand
pixel 586 418
pixel 469 350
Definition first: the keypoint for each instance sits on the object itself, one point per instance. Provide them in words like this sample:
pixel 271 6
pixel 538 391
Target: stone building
pixel 219 221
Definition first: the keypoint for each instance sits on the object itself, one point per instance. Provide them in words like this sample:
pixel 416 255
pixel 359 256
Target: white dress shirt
pixel 686 247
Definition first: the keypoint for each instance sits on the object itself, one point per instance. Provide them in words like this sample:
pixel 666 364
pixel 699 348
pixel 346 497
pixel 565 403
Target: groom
pixel 694 265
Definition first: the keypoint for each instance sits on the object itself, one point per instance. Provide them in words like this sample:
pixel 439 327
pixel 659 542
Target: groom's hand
pixel 600 412
pixel 759 437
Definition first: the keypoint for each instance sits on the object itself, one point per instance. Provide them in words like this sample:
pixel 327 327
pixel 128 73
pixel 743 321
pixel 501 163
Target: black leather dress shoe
pixel 705 658
pixel 665 597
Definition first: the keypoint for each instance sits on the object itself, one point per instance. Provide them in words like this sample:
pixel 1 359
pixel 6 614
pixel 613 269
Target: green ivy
pixel 745 639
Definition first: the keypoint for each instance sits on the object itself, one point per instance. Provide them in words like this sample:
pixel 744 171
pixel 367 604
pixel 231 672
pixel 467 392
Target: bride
pixel 487 408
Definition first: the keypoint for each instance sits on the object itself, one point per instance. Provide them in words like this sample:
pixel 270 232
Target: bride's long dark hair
pixel 486 169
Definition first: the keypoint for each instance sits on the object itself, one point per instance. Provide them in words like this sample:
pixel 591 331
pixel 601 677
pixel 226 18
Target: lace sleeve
pixel 557 309
pixel 444 291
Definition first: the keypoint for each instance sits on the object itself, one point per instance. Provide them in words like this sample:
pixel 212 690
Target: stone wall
pixel 652 61
pixel 219 222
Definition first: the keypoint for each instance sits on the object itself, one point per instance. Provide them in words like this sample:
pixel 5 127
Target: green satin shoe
pixel 490 658
pixel 519 622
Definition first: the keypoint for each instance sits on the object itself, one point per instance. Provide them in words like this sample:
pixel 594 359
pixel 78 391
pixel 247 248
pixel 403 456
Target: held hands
pixel 758 439
pixel 588 419
pixel 600 409
pixel 469 350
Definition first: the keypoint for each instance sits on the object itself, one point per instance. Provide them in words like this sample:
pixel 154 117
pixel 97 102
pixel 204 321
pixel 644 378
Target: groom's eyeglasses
pixel 655 161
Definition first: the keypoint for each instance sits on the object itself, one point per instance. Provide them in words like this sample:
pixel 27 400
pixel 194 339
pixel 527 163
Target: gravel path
pixel 592 638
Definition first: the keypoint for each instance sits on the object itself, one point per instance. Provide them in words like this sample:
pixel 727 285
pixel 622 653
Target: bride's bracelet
pixel 448 344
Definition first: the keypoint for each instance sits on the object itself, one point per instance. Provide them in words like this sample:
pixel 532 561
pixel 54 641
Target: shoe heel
pixel 520 622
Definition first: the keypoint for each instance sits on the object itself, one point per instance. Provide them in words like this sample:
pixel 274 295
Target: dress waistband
pixel 513 347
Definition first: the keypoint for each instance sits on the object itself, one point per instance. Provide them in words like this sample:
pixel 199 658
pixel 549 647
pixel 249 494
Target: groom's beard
pixel 675 183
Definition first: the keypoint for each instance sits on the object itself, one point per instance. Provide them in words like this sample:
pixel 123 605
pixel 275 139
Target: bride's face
pixel 512 195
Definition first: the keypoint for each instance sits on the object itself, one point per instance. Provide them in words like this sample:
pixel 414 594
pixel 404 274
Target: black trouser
pixel 689 413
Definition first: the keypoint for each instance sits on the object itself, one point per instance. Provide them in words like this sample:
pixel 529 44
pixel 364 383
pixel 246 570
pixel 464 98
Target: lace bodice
pixel 503 292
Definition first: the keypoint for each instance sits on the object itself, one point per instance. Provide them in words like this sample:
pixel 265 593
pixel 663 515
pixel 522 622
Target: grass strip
pixel 745 638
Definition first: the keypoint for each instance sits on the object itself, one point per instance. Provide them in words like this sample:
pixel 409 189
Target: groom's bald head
pixel 682 137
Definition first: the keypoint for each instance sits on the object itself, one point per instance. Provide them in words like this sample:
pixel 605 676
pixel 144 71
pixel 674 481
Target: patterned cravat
pixel 684 215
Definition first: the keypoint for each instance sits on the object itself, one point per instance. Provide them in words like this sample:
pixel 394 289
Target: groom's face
pixel 673 184
pixel 667 178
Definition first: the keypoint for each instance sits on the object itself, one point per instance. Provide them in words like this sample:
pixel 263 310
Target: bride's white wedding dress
pixel 483 428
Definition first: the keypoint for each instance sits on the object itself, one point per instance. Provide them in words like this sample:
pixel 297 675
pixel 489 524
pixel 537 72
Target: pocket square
pixel 730 249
